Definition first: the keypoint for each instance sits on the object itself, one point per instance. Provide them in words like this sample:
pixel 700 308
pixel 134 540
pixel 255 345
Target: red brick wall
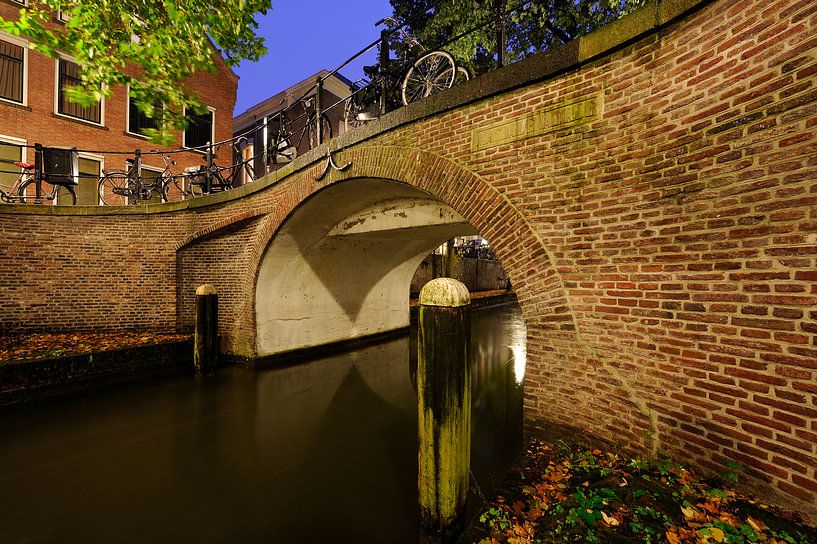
pixel 36 122
pixel 664 249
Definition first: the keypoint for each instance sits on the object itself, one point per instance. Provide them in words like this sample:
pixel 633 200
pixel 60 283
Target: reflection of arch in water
pixel 356 410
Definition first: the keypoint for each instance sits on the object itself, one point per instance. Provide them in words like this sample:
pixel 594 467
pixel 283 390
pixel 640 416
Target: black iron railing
pixel 301 122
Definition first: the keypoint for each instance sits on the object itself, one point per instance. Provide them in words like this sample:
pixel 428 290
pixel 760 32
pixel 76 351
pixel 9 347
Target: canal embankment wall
pixel 29 380
pixel 476 274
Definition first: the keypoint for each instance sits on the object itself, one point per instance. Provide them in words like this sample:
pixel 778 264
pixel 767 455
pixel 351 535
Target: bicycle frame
pixel 427 73
pixel 287 135
pixel 128 184
pixel 211 177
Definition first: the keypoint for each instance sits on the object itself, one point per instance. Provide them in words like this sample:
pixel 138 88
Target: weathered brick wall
pixel 220 258
pixel 659 224
pixel 475 274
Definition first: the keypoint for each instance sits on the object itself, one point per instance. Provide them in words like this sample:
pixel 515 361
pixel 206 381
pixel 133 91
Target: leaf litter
pixel 560 493
pixel 35 346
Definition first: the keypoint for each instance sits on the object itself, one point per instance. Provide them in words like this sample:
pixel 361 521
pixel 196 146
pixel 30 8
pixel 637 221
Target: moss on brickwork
pixel 617 33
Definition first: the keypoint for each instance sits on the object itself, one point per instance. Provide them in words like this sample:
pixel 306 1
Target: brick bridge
pixel 650 190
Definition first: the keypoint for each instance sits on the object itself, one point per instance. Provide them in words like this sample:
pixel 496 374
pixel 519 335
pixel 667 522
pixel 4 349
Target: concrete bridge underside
pixel 649 190
pixel 341 265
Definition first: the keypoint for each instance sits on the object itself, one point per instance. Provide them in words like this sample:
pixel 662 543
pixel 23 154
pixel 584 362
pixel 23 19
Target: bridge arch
pixel 515 242
pixel 552 332
pixel 435 178
pixel 339 267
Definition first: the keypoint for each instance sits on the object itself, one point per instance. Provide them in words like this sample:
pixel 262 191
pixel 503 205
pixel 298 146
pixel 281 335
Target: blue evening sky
pixel 304 36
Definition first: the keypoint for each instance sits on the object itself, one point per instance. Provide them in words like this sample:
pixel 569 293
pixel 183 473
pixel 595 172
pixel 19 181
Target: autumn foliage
pixel 562 494
pixel 26 347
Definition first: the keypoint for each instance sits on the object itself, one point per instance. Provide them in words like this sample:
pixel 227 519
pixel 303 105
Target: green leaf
pixel 153 46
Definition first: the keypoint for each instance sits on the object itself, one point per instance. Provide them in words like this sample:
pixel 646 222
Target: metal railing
pixel 308 125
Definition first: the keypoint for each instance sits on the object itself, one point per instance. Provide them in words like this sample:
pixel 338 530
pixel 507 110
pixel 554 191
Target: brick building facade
pixel 33 110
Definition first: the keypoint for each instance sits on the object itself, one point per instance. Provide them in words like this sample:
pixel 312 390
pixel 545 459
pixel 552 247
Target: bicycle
pixel 286 137
pixel 62 185
pixel 118 187
pixel 220 179
pixel 431 72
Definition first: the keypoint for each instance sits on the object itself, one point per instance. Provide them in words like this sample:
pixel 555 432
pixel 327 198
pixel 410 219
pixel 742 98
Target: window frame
pixel 212 132
pixel 90 157
pixel 22 142
pixel 60 16
pixel 127 116
pixel 154 169
pixel 19 42
pixel 57 112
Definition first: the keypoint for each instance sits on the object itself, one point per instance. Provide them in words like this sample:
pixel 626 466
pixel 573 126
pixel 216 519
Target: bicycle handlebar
pixel 390 21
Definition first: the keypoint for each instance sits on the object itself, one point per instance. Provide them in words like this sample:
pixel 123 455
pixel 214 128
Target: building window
pixel 64 15
pixel 90 169
pixel 200 130
pixel 12 71
pixel 138 121
pixel 68 76
pixel 11 151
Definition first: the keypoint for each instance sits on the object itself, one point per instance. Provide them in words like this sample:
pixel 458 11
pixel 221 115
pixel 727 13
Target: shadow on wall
pixel 340 266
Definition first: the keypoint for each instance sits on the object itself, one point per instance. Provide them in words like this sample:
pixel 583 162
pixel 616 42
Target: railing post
pixel 137 172
pixel 38 173
pixel 384 65
pixel 318 111
pixel 443 406
pixel 208 173
pixel 500 32
pixel 264 168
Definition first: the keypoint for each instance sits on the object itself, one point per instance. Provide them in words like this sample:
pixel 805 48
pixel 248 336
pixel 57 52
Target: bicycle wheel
pixel 63 194
pixel 173 189
pixel 313 134
pixel 22 191
pixel 432 72
pixel 157 187
pixel 280 149
pixel 66 195
pixel 115 189
pixel 462 75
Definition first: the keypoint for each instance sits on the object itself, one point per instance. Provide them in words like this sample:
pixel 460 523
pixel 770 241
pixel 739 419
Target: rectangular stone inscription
pixel 539 122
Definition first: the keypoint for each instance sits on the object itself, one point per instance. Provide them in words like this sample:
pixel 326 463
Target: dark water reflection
pixel 320 452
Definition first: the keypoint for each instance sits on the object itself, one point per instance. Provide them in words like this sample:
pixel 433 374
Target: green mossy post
pixel 205 342
pixel 444 405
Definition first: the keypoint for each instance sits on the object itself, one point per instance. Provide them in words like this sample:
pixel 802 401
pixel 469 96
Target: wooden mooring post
pixel 205 341
pixel 444 406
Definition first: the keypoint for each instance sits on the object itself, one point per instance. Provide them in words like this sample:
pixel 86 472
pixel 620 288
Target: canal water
pixel 323 451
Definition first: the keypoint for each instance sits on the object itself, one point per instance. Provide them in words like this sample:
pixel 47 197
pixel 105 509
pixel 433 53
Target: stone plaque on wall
pixel 537 123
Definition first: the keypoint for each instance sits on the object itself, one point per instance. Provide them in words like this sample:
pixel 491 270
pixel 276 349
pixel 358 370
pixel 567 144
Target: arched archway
pixel 340 266
pixel 426 177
